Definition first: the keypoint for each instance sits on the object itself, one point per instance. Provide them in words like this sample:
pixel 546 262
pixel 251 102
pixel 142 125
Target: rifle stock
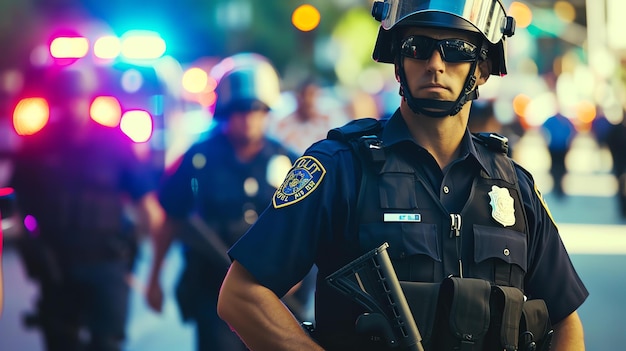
pixel 371 281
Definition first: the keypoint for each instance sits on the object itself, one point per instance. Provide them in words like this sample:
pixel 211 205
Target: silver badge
pixel 502 207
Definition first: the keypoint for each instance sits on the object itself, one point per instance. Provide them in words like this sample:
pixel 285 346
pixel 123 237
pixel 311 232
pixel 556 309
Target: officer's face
pixel 247 127
pixel 435 78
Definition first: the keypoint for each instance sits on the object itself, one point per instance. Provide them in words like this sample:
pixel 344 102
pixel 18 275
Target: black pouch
pixel 535 327
pixel 506 311
pixel 464 314
pixel 471 314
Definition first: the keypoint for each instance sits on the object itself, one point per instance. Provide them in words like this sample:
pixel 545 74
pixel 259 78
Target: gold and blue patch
pixel 304 177
pixel 544 204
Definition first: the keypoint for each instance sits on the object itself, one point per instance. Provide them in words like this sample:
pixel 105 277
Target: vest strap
pixel 502 273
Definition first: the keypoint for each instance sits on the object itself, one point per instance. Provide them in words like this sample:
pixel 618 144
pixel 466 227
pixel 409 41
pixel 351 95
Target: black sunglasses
pixel 452 50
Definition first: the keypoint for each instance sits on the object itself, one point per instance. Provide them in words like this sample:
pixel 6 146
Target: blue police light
pixel 142 45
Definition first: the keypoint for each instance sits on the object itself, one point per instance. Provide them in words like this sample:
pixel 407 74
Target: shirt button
pixel 506 252
pixel 446 189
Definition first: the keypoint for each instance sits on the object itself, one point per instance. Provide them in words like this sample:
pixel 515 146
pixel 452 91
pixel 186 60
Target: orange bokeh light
pixel 306 18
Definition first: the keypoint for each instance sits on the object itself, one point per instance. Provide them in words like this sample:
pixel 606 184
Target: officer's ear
pixel 484 71
pixel 396 66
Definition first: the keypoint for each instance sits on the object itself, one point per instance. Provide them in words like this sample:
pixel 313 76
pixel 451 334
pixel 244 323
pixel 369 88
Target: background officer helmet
pixel 246 82
pixel 486 17
pixel 70 92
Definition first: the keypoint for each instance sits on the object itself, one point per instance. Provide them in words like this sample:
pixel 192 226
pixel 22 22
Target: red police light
pixel 30 115
pixel 137 124
pixel 106 110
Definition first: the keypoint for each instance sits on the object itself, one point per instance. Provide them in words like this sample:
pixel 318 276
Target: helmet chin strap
pixel 439 108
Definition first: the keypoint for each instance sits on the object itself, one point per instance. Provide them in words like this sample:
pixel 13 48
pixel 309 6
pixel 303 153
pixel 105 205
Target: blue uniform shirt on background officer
pixel 218 190
pixel 433 171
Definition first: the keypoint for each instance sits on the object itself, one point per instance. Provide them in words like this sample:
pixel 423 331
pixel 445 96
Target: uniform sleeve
pixel 310 205
pixel 176 193
pixel 551 275
pixel 137 176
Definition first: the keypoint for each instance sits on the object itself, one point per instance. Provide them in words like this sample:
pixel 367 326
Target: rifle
pixel 204 238
pixel 371 281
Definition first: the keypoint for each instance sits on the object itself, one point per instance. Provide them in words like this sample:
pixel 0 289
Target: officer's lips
pixel 433 86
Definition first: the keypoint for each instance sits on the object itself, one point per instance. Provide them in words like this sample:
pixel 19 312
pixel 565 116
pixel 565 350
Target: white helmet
pixel 486 17
pixel 246 81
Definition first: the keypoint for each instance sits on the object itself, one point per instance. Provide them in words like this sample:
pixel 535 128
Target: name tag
pixel 402 217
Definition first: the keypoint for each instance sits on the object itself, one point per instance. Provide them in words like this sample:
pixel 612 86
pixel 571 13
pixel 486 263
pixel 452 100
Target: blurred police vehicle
pixel 115 78
pixel 116 75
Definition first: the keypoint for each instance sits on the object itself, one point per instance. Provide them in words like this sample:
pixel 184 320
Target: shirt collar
pixel 396 131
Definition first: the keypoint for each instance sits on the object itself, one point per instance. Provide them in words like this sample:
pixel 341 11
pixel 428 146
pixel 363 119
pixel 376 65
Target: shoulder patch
pixel 303 178
pixel 544 204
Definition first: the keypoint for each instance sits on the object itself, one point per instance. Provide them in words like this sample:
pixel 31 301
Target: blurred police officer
pixel 217 192
pixel 452 206
pixel 75 181
pixel 559 133
pixel 616 141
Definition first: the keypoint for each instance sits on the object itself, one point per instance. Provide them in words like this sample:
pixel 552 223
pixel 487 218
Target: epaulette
pixel 362 135
pixel 355 129
pixel 492 141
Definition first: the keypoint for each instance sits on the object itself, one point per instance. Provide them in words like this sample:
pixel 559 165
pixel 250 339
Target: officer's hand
pixel 154 296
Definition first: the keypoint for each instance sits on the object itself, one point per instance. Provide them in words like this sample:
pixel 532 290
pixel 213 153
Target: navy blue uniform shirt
pixel 317 225
pixel 213 182
pixel 77 190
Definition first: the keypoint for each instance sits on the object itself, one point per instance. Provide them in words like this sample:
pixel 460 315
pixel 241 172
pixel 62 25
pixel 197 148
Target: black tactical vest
pixel 487 240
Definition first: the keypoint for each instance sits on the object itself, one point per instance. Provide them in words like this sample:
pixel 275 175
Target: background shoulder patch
pixel 304 177
pixel 544 204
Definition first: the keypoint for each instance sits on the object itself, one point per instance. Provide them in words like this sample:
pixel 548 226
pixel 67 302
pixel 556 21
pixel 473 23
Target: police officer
pixel 74 182
pixel 450 205
pixel 220 187
pixel 616 142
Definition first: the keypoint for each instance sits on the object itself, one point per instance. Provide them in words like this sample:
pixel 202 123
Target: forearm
pixel 151 214
pixel 568 335
pixel 161 241
pixel 258 316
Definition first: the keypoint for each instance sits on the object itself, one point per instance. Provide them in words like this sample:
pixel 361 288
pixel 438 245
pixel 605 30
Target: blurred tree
pixel 192 28
pixel 18 23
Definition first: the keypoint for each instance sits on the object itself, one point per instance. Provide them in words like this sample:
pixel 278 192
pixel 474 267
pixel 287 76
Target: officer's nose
pixel 435 62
